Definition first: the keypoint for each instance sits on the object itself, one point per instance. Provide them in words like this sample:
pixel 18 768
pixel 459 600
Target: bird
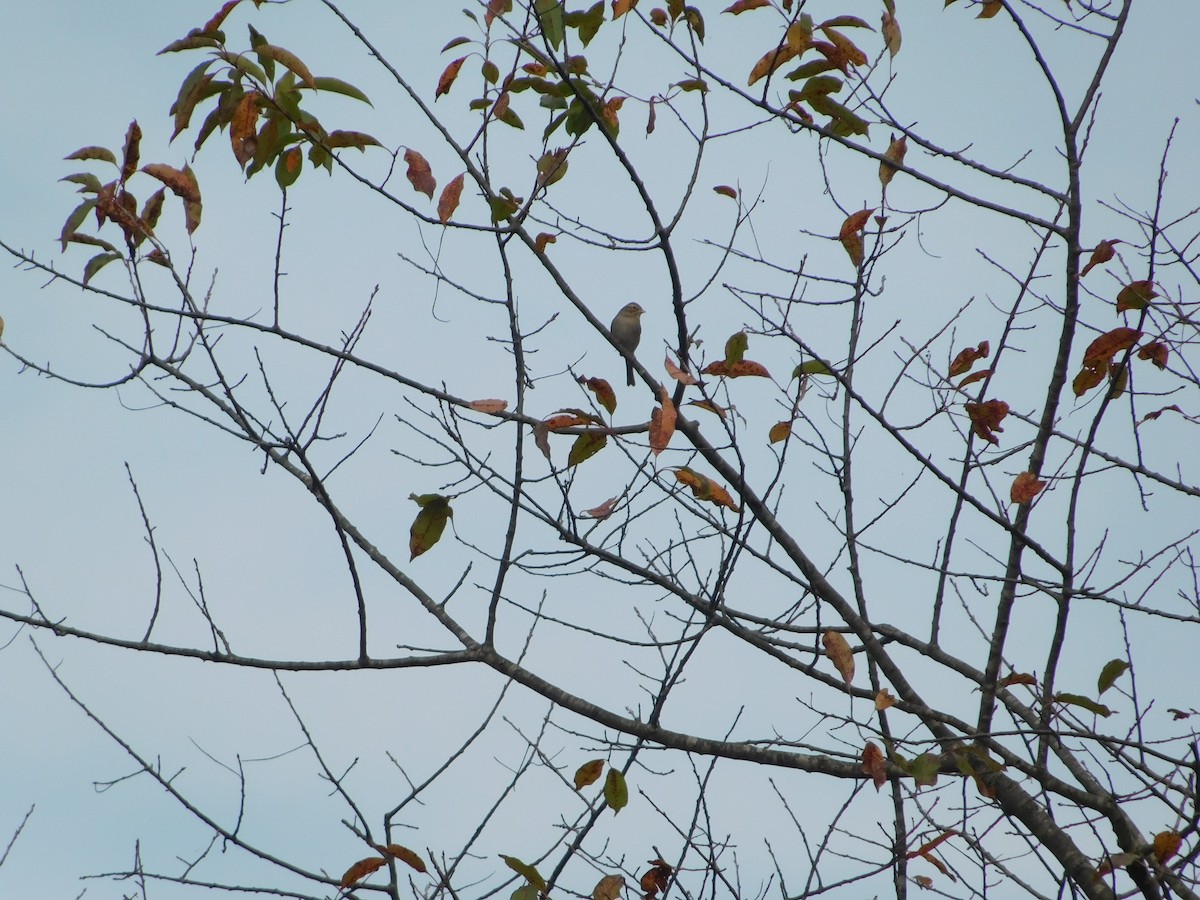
pixel 626 330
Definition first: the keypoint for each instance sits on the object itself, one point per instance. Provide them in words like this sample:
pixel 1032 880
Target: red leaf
pixel 986 418
pixel 420 176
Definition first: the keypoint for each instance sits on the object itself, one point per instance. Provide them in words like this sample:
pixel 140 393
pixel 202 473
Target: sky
pixel 72 529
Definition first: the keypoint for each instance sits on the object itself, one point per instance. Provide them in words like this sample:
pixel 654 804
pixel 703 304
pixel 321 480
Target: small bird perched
pixel 626 330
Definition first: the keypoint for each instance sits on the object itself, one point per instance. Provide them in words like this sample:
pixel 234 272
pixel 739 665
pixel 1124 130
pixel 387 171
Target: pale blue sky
pixel 76 74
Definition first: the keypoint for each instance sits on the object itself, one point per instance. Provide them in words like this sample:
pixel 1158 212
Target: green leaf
pixel 735 348
pixel 288 59
pixel 696 21
pixel 616 791
pixel 355 139
pixel 96 263
pixel 288 166
pixel 74 220
pixel 89 181
pixel 337 86
pixel 191 92
pixel 844 119
pixel 819 86
pixel 1113 669
pixel 550 17
pixel 587 22
pixel 256 41
pixel 924 769
pixel 812 367
pixel 102 153
pixel 430 522
pixel 1086 702
pixel 526 871
pixel 586 446
pixel 245 65
pixel 809 69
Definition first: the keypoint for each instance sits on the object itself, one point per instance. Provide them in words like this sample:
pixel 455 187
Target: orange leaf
pixel 446 79
pixel 662 423
pixel 848 48
pixel 405 855
pixel 967 357
pixel 488 406
pixel 856 222
pixel 620 7
pixel 743 5
pixel 656 879
pixel 1025 487
pixel 448 202
pixel 986 418
pixel 588 773
pixel 214 23
pixel 704 488
pixel 603 511
pixel 839 653
pixel 1166 845
pixel 929 845
pixel 924 882
pixel 1103 253
pixel 361 870
pixel 182 183
pixel 780 431
pixel 605 395
pixel 884 700
pixel 739 369
pixel 242 129
pixel 1156 351
pixel 851 234
pixel 678 374
pixel 569 418
pixel 726 190
pixel 990 8
pixel 542 240
pixel 874 765
pixel 1109 344
pixel 496 8
pixel 1017 678
pixel 976 376
pixel 133 141
pixel 894 155
pixel 420 176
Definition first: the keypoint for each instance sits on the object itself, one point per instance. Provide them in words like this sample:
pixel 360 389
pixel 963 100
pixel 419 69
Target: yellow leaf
pixel 839 653
pixel 780 431
pixel 608 888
